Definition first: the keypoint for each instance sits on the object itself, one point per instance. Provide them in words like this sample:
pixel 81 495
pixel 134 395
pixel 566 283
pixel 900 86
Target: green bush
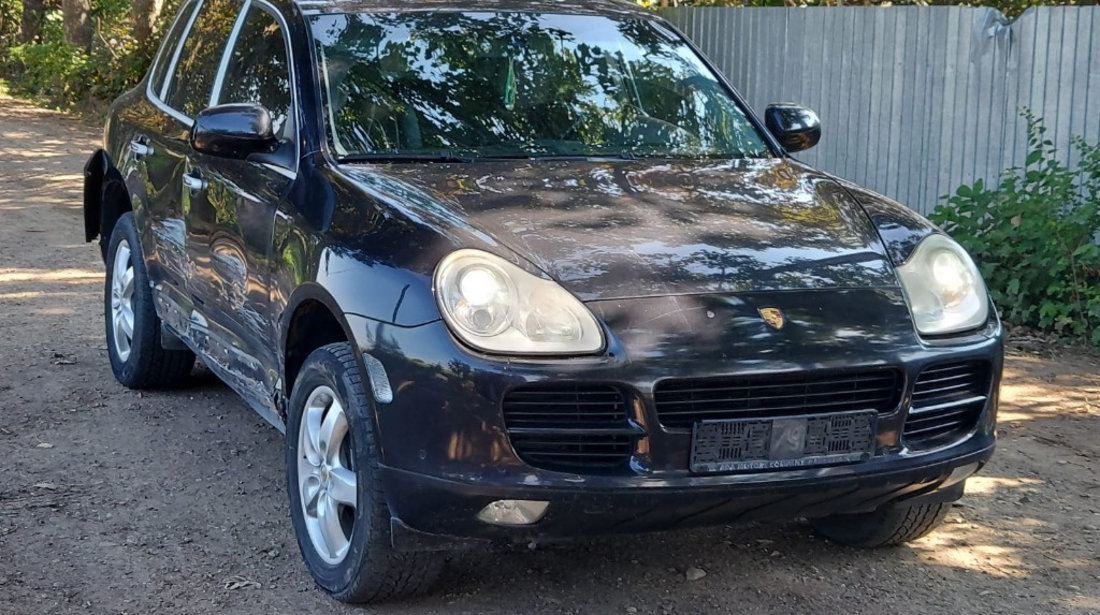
pixel 68 76
pixel 52 68
pixel 11 12
pixel 1035 237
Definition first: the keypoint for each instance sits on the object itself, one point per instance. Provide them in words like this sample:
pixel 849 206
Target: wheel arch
pixel 312 319
pixel 105 199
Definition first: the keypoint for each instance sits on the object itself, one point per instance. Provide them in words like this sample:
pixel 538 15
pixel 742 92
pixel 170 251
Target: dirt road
pixel 116 502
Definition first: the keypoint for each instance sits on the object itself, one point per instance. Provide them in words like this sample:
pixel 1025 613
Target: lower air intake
pixel 579 428
pixel 948 400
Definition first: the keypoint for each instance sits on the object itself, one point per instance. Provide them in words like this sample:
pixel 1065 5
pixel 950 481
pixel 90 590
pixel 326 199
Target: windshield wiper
pixel 622 154
pixel 443 156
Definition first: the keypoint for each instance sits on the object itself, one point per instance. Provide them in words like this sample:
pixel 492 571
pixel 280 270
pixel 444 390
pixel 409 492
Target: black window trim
pixel 157 98
pixel 227 53
pixel 163 53
pixel 223 66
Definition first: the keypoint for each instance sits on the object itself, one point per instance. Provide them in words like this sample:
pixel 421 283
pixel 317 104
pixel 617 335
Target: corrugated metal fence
pixel 914 101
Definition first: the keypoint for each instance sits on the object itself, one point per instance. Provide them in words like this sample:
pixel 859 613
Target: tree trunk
pixel 78 28
pixel 145 13
pixel 33 13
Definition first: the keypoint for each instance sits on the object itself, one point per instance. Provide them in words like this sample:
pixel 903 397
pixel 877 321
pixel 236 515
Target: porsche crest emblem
pixel 773 317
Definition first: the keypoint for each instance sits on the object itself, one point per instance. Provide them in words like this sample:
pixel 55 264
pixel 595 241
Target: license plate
pixel 783 442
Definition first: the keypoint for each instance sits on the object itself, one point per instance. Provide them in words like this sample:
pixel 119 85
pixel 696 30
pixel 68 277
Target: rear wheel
pixel 133 329
pixel 337 502
pixel 887 526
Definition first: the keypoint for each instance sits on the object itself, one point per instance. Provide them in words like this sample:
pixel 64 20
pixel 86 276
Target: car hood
pixel 608 230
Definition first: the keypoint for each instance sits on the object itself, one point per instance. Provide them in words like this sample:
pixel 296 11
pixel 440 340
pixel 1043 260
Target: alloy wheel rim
pixel 122 300
pixel 327 484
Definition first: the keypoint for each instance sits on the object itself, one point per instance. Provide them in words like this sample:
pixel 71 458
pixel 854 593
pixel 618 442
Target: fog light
pixel 513 512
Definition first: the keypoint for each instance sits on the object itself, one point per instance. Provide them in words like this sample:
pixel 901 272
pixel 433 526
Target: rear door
pixel 184 93
pixel 232 214
pixel 154 168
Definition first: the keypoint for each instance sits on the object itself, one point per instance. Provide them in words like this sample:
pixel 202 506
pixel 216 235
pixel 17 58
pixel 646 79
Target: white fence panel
pixel 914 101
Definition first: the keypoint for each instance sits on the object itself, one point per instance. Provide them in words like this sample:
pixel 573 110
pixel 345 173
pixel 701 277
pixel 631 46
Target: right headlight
pixel 495 306
pixel 944 287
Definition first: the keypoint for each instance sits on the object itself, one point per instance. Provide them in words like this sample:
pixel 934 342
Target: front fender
pixel 353 289
pixel 899 227
pixel 311 292
pixel 376 290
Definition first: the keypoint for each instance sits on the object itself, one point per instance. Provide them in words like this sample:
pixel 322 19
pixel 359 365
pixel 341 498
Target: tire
pixel 887 526
pixel 343 529
pixel 137 358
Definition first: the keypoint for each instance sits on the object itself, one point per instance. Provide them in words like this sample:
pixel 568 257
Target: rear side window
pixel 168 49
pixel 189 89
pixel 258 71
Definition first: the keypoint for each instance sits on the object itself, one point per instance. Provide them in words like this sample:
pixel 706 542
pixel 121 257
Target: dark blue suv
pixel 514 271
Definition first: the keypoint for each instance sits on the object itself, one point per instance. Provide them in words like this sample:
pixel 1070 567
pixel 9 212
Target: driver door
pixel 231 217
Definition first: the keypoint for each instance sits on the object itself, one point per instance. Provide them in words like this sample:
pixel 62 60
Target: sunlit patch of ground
pixel 988 485
pixel 1025 397
pixel 72 276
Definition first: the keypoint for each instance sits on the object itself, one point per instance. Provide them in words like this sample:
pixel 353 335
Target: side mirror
pixel 796 127
pixel 233 131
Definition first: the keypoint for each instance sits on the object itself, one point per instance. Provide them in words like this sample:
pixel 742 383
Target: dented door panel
pixel 229 229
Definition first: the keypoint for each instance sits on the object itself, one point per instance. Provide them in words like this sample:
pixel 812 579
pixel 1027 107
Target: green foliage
pixel 68 76
pixel 11 12
pixel 1034 237
pixel 52 66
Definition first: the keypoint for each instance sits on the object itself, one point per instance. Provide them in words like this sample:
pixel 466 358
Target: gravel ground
pixel 113 501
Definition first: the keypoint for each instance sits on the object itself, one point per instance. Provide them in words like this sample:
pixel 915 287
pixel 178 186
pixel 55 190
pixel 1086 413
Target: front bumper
pixel 430 513
pixel 446 449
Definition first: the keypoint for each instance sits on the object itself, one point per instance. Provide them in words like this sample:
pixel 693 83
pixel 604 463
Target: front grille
pixel 681 403
pixel 948 400
pixel 579 428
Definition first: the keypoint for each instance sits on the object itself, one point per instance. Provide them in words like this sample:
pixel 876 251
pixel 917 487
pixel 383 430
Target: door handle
pixel 194 183
pixel 141 149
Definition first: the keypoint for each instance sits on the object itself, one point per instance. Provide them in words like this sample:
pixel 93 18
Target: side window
pixel 258 71
pixel 168 48
pixel 189 89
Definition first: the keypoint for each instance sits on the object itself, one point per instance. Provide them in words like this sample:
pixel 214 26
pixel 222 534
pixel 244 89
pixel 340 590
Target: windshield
pixel 451 85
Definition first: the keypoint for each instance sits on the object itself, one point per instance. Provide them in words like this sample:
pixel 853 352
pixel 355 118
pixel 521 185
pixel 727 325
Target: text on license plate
pixel 784 442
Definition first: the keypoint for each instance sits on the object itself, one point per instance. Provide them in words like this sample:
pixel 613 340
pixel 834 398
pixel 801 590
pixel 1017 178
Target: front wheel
pixel 337 503
pixel 887 526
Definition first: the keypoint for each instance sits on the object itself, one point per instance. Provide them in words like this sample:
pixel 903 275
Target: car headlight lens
pixel 945 289
pixel 495 306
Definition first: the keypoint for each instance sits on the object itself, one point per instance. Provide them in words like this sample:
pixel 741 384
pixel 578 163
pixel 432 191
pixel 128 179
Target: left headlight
pixel 495 306
pixel 945 289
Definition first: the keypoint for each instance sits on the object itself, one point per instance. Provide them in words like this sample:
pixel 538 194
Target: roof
pixel 583 7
